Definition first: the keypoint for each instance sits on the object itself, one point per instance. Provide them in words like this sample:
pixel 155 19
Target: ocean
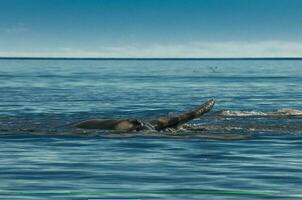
pixel 251 147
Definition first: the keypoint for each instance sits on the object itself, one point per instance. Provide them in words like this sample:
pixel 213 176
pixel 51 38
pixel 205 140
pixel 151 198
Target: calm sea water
pixel 41 158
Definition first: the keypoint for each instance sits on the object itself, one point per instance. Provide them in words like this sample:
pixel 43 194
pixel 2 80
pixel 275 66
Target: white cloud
pixel 192 49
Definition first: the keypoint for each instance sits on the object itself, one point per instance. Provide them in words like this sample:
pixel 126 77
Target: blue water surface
pixel 260 99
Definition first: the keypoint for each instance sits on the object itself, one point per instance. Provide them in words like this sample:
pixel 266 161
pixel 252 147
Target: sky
pixel 151 28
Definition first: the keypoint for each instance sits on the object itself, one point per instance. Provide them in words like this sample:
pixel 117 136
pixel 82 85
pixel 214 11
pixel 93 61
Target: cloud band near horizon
pixel 227 49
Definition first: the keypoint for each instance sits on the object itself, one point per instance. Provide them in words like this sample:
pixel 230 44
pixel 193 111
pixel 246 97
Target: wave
pixel 279 113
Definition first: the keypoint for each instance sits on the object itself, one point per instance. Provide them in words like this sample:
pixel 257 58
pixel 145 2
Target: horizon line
pixel 147 58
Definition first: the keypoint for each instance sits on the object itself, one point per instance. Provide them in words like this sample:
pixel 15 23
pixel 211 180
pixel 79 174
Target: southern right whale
pixel 162 123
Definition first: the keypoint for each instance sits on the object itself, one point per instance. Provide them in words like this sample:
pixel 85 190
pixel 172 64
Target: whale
pixel 159 124
pixel 126 125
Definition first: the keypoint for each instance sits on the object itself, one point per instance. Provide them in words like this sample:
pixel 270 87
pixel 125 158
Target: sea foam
pixel 281 112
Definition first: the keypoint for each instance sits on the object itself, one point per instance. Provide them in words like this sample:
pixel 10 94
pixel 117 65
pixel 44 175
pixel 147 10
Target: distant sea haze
pixel 151 58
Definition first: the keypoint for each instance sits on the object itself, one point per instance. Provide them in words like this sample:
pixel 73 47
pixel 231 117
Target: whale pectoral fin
pixel 168 122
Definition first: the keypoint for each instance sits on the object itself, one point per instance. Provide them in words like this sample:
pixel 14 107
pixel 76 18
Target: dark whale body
pixel 162 123
pixel 109 124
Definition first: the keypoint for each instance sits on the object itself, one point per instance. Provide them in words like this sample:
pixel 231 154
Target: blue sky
pixel 151 28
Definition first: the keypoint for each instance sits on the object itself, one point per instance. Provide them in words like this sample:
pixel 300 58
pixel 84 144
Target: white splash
pixel 281 112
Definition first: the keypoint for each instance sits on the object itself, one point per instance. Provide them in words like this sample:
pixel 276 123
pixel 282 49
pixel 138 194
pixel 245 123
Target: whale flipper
pixel 170 122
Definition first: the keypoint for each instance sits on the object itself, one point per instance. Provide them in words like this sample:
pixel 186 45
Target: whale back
pixel 109 124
